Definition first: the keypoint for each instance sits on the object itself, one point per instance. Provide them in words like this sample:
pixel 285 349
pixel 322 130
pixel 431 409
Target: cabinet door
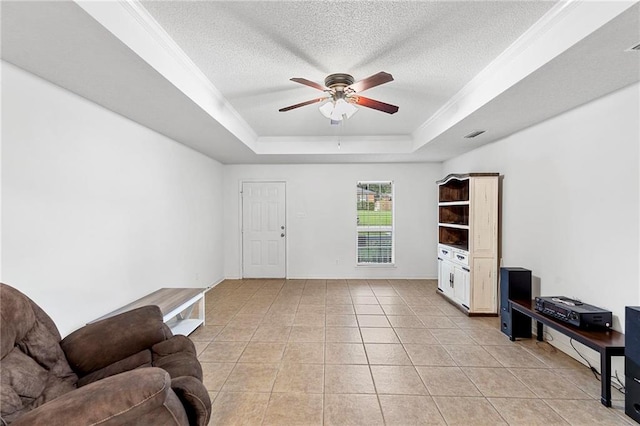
pixel 440 276
pixel 461 285
pixel 485 286
pixel 446 277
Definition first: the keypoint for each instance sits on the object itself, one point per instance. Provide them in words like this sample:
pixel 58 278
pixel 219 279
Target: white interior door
pixel 263 230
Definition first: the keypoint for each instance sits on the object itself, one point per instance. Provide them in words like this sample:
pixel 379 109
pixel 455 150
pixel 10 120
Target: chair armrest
pixel 177 355
pixel 195 398
pixel 119 399
pixel 112 339
pixel 171 345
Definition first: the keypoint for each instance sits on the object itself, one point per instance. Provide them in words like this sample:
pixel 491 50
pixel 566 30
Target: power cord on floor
pixel 619 385
pixel 615 380
pixel 595 372
pixel 546 337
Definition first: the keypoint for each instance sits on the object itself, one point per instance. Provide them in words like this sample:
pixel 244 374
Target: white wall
pixel 570 201
pixel 321 218
pixel 96 209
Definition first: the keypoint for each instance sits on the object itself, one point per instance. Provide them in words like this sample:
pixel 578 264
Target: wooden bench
pixel 177 306
pixel 607 342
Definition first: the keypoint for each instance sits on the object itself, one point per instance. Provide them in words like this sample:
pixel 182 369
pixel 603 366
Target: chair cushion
pixel 23 375
pixel 140 397
pixel 100 344
pixel 139 360
pixel 33 367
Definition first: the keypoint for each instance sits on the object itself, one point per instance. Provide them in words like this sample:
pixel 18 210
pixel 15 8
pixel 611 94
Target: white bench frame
pixel 176 305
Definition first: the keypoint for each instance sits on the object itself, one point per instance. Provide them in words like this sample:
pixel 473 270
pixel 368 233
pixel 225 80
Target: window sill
pixel 376 265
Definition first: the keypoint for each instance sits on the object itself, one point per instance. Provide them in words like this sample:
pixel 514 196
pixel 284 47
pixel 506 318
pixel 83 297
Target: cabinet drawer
pixel 461 257
pixel 445 252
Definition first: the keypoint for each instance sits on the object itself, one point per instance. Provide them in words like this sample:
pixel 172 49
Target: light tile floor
pixel 373 352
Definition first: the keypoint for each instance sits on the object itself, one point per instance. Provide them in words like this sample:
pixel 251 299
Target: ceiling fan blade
pixel 372 103
pixel 312 101
pixel 309 83
pixel 372 81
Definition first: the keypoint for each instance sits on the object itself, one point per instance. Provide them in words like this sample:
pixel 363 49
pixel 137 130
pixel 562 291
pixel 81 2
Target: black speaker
pixel 515 284
pixel 632 362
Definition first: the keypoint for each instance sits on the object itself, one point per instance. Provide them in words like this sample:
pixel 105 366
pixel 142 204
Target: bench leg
pixel 605 377
pixel 540 332
pixel 186 314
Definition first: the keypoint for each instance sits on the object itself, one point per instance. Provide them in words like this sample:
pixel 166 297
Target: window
pixel 374 202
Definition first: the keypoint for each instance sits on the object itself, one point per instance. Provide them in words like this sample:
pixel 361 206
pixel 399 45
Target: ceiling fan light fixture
pixel 351 109
pixel 343 109
pixel 338 110
pixel 326 109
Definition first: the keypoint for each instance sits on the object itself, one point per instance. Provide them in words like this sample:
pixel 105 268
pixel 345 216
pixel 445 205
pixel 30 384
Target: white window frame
pixel 391 228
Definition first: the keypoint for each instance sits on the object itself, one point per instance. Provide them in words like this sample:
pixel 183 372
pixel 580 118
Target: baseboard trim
pixel 215 283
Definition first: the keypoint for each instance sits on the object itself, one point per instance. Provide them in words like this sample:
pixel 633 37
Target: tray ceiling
pixel 212 75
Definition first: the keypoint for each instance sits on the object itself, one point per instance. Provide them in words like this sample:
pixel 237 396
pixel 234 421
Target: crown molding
pixel 338 145
pixel 548 20
pixel 565 24
pixel 164 40
pixel 145 36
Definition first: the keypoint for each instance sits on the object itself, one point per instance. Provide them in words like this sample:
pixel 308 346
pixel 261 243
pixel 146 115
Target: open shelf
pixel 454 237
pixel 454 214
pixel 185 326
pixel 454 190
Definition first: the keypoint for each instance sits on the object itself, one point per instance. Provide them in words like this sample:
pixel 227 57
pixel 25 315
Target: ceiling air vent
pixel 474 134
pixel 635 48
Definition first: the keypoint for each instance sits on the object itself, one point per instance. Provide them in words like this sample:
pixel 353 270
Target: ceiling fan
pixel 343 95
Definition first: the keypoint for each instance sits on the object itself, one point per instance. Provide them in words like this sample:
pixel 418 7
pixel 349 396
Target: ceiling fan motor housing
pixel 339 80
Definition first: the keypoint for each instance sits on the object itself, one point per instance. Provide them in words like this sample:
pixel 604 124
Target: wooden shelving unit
pixel 468 241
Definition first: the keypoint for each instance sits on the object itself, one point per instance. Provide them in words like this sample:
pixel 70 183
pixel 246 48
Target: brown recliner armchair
pixel 94 375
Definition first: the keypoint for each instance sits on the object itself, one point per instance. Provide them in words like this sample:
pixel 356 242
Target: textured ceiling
pixel 249 50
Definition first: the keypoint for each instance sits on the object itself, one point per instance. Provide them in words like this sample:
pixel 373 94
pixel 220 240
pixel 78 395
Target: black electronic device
pixel 574 312
pixel 515 284
pixel 632 362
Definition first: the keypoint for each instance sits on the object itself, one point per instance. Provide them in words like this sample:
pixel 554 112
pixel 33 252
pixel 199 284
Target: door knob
pixel 282 227
pixel 282 235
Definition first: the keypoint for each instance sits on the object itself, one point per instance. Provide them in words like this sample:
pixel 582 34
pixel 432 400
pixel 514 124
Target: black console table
pixel 607 342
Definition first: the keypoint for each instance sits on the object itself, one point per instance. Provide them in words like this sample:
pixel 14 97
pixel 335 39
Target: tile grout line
pixel 375 387
pixel 418 373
